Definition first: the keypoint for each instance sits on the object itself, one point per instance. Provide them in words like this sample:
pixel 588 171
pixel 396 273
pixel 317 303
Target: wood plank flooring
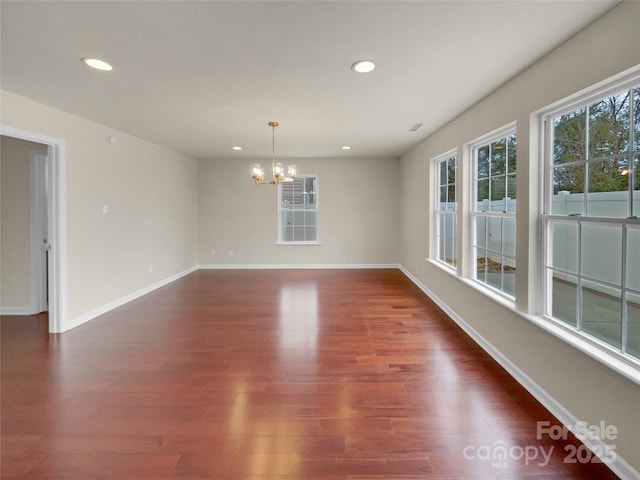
pixel 268 374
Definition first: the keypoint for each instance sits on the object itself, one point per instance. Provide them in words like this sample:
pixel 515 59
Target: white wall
pixel 151 196
pixel 357 214
pixel 15 231
pixel 590 390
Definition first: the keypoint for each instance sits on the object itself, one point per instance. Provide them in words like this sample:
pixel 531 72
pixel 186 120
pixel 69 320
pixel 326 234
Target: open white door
pixel 39 232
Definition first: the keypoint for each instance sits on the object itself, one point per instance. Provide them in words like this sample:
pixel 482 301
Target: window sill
pixel 627 367
pixel 298 243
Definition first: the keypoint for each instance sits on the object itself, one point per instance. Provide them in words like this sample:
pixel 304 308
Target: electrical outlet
pixel 213 253
pixel 150 269
pixel 231 253
pixel 105 208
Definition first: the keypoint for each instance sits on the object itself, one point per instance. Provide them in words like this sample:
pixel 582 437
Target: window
pixel 446 213
pixel 493 211
pixel 592 203
pixel 298 210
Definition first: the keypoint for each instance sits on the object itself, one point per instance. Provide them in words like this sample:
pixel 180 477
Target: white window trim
pixel 609 355
pixel 280 241
pixel 435 211
pixel 469 257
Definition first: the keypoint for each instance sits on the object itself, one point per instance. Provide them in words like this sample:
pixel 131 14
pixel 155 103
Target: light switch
pixel 105 208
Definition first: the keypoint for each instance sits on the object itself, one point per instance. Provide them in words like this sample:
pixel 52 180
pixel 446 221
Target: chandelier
pixel 277 169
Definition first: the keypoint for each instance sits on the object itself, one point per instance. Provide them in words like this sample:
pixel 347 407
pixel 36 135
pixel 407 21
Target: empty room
pixel 341 240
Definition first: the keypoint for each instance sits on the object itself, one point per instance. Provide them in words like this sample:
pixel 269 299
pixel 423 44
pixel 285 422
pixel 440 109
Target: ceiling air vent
pixel 415 127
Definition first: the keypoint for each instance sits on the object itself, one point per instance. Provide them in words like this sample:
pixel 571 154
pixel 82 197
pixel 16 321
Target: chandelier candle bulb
pixel 278 171
pixel 257 172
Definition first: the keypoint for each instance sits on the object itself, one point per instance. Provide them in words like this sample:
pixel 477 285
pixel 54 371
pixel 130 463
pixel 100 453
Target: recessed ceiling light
pixel 346 147
pixel 97 64
pixel 363 66
pixel 237 148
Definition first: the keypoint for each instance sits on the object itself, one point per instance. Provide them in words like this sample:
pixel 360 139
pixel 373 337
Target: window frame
pixel 504 132
pixel 438 212
pixel 548 219
pixel 280 239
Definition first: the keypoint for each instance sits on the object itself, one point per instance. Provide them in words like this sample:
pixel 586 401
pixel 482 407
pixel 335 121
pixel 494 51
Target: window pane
pixel 441 248
pixel 288 233
pixel 481 265
pixel 443 197
pixel 609 126
pixel 443 173
pixel 298 218
pixel 568 179
pixel 483 162
pixel 509 275
pixel 449 226
pixel 601 312
pixel 309 184
pixel 449 251
pixel 286 193
pixel 633 325
pixel 454 254
pixel 509 237
pixel 511 186
pixel 636 119
pixel 298 234
pixel 310 234
pixel 608 189
pixel 494 239
pixel 635 205
pixel 564 254
pixel 483 194
pixel 287 217
pixel 310 218
pixel 633 259
pixel 310 200
pixel 292 193
pixel 607 175
pixel 442 224
pixel 602 253
pixel 564 298
pixel 452 170
pixel 511 153
pixel 481 233
pixel 451 196
pixel 569 139
pixel 511 193
pixel 494 270
pixel 498 157
pixel 498 192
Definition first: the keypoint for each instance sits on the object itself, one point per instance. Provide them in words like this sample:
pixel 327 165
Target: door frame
pixel 57 222
pixel 39 230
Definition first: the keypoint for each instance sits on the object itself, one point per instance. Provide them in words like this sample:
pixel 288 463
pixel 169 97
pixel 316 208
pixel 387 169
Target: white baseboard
pixel 264 266
pixel 16 311
pixel 619 466
pixel 121 301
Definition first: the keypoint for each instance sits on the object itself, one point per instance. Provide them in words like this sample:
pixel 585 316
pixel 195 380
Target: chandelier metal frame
pixel 277 169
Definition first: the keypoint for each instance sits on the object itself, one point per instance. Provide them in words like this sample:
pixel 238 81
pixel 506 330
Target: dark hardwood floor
pixel 269 374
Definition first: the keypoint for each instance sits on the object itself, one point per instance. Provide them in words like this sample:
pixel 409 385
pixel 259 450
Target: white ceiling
pixel 203 76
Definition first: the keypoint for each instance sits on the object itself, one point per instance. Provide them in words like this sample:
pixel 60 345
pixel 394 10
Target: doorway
pixel 39 231
pixel 47 284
